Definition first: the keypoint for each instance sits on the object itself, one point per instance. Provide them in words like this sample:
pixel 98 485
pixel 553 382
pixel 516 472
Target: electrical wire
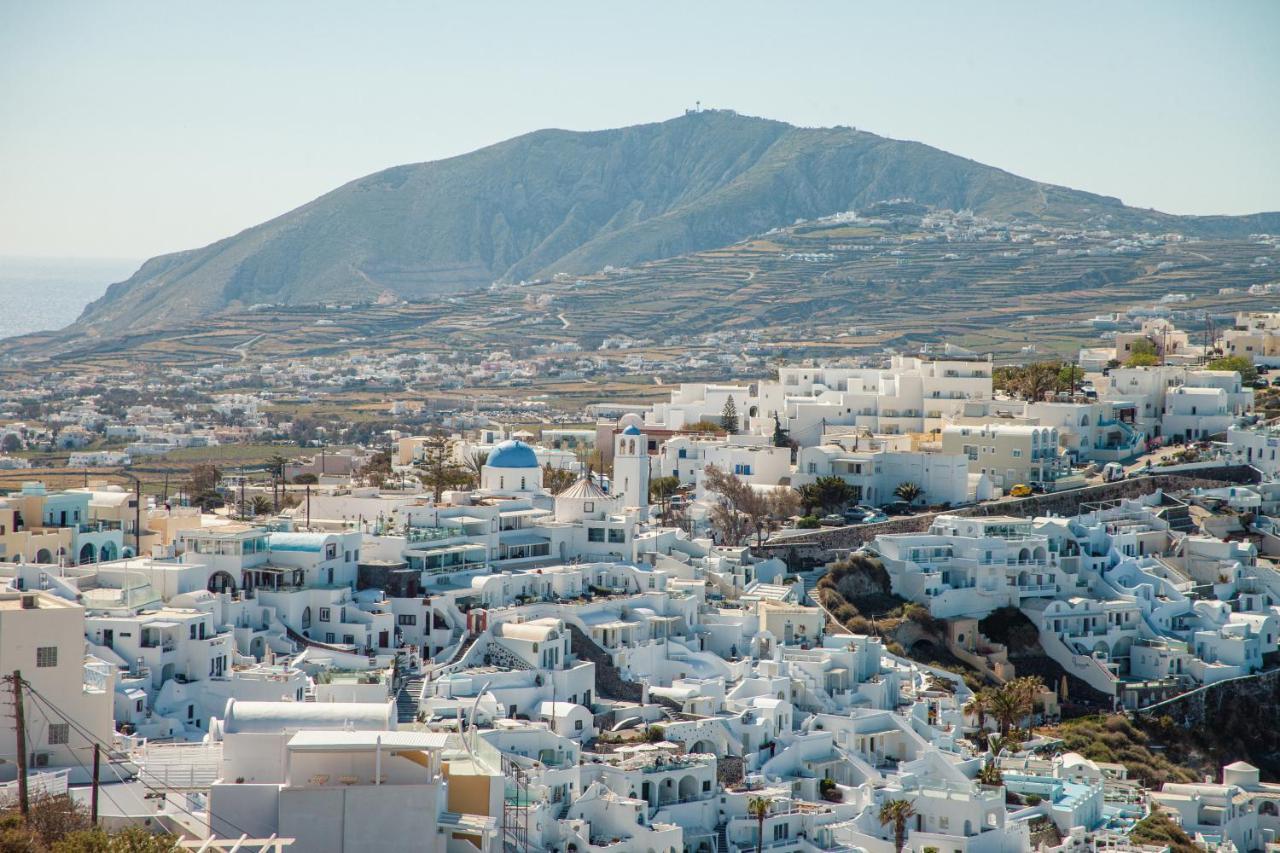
pixel 155 788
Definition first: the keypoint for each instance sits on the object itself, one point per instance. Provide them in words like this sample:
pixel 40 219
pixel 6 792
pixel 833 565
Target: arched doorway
pixel 704 746
pixel 108 552
pixel 44 556
pixel 221 581
pixel 88 554
pixel 688 788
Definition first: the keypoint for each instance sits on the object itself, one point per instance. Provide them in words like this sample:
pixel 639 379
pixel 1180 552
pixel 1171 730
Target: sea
pixel 38 294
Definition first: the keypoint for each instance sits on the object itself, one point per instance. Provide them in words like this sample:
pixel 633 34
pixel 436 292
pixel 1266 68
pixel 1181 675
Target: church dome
pixel 512 454
pixel 632 430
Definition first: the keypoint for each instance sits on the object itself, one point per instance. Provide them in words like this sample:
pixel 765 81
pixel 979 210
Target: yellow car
pixel 1021 490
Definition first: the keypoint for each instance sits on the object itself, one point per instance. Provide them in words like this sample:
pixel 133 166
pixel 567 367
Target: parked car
pixel 832 520
pixel 1021 490
pixel 898 508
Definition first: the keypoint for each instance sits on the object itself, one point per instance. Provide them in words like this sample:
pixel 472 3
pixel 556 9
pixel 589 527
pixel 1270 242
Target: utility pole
pixel 137 517
pixel 20 724
pixel 244 510
pixel 93 799
pixel 308 506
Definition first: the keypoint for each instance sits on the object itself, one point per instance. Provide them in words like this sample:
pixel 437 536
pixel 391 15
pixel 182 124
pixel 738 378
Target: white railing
pixel 39 786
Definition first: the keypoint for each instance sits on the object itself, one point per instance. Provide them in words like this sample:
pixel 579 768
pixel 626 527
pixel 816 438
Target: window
pixel 1017 452
pixel 407 619
pixel 781 831
pixel 330 551
pixel 328 637
pixel 324 614
pixel 617 535
pixel 47 656
pixel 58 733
pixel 588 506
pixel 349 639
pixel 595 534
pixel 577 725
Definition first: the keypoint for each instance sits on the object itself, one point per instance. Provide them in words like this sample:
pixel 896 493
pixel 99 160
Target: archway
pixel 221 581
pixel 88 554
pixel 306 618
pixel 704 746
pixel 666 792
pixel 1101 650
pixel 44 556
pixel 688 788
pixel 107 552
pixel 257 648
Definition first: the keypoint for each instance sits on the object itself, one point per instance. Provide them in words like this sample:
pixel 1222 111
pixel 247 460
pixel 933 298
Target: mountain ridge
pixel 568 201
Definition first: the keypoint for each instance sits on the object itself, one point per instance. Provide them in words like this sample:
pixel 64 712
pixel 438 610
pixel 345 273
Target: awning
pixel 448 549
pixel 461 519
pixel 161 624
pixel 523 539
pixel 521 513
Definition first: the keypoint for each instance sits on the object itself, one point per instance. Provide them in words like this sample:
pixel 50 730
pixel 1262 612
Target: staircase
pixel 407 699
pixel 722 840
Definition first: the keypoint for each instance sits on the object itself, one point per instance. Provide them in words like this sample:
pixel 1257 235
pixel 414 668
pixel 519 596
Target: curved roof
pixel 275 717
pixel 632 430
pixel 584 489
pixel 512 454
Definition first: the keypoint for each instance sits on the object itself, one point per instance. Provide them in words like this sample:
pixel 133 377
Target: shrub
pixel 808 522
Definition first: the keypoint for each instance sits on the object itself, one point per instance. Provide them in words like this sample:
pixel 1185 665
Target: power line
pixel 41 700
pixel 92 738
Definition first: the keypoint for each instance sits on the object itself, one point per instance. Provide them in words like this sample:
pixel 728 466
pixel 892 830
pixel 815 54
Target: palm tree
pixel 1028 688
pixel 758 808
pixel 978 705
pixel 1008 706
pixel 897 812
pixel 990 775
pixel 474 463
pixel 276 466
pixel 909 492
pixel 261 504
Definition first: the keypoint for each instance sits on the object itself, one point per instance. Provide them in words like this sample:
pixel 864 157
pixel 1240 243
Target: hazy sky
pixel 131 129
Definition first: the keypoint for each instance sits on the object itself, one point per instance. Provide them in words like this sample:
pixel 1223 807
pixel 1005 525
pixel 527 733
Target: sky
pixel 133 129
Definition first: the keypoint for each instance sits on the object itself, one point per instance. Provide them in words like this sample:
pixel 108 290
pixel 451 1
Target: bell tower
pixel 631 467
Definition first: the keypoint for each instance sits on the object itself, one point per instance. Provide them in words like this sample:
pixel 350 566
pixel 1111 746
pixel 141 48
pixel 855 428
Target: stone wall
pixel 819 546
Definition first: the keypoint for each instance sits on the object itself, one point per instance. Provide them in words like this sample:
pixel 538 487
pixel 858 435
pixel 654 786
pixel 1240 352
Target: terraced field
pixel 807 290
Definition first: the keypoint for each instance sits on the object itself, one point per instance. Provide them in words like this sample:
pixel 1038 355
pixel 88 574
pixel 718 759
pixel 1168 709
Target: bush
pixel 808 522
pixel 1033 799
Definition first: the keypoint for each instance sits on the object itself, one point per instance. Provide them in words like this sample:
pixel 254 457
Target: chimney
pixel 29 601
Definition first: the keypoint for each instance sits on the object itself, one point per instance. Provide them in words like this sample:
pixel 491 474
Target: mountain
pixel 574 202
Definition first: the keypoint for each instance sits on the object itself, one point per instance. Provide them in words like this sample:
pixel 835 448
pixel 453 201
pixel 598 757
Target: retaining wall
pixel 819 546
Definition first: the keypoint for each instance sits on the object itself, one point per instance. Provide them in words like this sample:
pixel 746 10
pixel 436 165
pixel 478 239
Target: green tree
pixel 828 493
pixel 11 443
pixel 474 464
pixel 306 480
pixel 1238 363
pixel 897 813
pixel 781 437
pixel 978 705
pixel 261 505
pixel 729 416
pixel 437 470
pixel 1142 353
pixel 661 489
pixel 556 480
pixel 758 808
pixel 909 492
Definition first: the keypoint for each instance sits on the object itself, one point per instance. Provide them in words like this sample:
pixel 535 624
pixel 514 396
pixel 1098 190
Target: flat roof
pixel 308 740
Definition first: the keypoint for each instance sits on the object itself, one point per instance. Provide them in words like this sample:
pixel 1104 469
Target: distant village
pixel 856 604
